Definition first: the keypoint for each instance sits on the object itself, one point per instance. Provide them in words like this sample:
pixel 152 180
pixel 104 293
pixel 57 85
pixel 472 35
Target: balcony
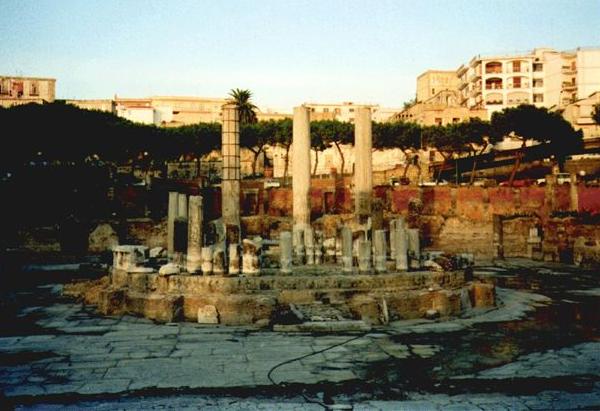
pixel 494 67
pixel 568 85
pixel 568 70
pixel 493 86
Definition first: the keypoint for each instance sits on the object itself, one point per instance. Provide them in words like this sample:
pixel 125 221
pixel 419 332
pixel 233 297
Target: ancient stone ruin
pixel 367 270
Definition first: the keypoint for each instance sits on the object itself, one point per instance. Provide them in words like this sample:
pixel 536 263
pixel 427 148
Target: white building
pixel 346 111
pixel 543 77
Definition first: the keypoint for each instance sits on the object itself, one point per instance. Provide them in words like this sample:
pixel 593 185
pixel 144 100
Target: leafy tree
pixel 408 104
pixel 405 136
pixel 256 137
pixel 283 138
pixel 527 122
pixel 319 141
pixel 247 110
pixel 334 133
pixel 477 136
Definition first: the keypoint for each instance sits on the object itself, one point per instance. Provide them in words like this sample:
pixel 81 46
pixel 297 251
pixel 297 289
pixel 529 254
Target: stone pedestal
pixel 380 247
pixel 171 216
pixel 195 223
pixel 207 260
pixel 250 261
pixel 414 248
pixel 347 249
pixel 364 256
pixel 234 259
pixel 230 151
pixel 285 250
pixel 301 168
pixel 363 168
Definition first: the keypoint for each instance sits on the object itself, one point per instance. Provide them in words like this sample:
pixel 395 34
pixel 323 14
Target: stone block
pixel 102 238
pixel 169 269
pixel 483 295
pixel 208 315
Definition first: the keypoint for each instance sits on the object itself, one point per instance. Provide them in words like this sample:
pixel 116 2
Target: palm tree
pixel 242 99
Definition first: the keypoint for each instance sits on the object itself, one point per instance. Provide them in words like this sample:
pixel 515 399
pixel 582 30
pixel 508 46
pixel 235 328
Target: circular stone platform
pixel 309 293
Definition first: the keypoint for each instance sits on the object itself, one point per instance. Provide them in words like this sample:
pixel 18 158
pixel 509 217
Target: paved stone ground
pixel 79 360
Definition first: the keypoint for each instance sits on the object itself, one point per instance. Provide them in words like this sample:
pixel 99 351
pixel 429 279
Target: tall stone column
pixel 182 205
pixel 230 151
pixel 195 221
pixel 363 164
pixel 301 171
pixel 171 216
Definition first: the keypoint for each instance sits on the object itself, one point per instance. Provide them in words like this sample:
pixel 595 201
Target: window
pixel 17 89
pixel 337 110
pixel 538 67
pixel 538 98
pixel 516 82
pixel 516 66
pixel 351 110
pixel 4 86
pixel 33 89
pixel 432 91
pixel 326 110
pixel 438 121
pixel 538 83
pixel 455 119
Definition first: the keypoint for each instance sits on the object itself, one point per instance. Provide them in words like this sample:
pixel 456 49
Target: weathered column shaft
pixel 171 216
pixel 574 193
pixel 364 256
pixel 380 247
pixel 301 167
pixel 230 151
pixel 363 165
pixel 182 206
pixel 414 247
pixel 234 259
pixel 309 244
pixel 401 255
pixel 195 243
pixel 347 249
pixel 285 251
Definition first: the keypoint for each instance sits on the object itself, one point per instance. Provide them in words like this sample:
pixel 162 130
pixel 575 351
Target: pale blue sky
pixel 286 52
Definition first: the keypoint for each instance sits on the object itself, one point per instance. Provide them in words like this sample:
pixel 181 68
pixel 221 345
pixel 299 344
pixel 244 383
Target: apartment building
pixel 24 90
pixel 580 115
pixel 543 77
pixel 346 111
